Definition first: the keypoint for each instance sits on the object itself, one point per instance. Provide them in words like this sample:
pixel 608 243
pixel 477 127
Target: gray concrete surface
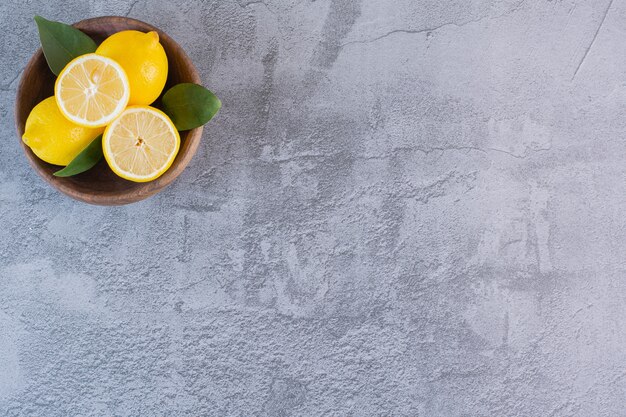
pixel 404 208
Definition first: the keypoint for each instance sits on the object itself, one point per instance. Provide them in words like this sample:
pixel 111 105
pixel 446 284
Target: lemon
pixel 144 60
pixel 141 144
pixel 52 137
pixel 92 90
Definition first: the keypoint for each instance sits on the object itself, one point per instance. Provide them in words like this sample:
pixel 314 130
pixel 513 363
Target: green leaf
pixel 61 43
pixel 84 160
pixel 190 105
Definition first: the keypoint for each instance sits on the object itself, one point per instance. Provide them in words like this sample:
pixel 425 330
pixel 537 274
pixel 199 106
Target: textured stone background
pixel 404 208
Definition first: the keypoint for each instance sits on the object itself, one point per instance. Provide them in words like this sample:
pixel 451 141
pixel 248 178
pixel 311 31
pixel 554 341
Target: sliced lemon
pixel 92 90
pixel 141 144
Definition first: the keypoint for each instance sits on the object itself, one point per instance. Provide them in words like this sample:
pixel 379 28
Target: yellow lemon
pixel 52 137
pixel 144 60
pixel 141 144
pixel 92 90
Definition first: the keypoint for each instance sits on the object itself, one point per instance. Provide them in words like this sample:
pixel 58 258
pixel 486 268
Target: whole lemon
pixel 52 137
pixel 143 59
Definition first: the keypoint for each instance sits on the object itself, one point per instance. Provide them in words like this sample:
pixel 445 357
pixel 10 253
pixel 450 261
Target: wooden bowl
pixel 100 185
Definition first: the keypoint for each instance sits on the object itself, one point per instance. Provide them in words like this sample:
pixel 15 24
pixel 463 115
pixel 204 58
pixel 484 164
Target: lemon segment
pixel 141 144
pixel 92 90
pixel 52 137
pixel 143 58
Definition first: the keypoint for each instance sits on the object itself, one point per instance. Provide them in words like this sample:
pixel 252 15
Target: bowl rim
pixel 142 190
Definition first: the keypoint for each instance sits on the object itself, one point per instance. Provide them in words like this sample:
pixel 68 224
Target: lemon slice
pixel 92 90
pixel 141 144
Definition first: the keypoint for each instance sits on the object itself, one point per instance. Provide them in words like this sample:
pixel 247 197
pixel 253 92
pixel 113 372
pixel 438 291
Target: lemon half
pixel 141 144
pixel 92 90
